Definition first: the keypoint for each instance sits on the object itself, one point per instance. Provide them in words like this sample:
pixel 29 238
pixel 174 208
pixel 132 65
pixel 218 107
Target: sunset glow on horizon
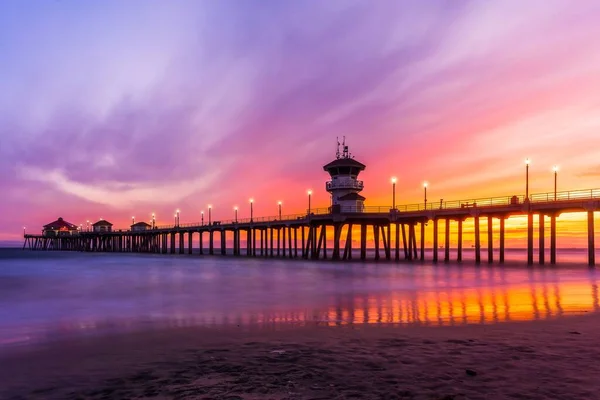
pixel 141 108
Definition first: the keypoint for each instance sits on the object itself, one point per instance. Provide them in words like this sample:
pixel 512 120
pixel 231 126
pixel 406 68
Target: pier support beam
pixel 447 241
pixel 490 238
pixel 404 244
pixel 477 240
pixel 337 233
pixel 529 238
pixel 363 242
pixel 459 246
pixel 223 242
pixel 290 254
pixel 376 238
pixel 397 242
pixel 435 240
pixel 410 242
pixel 553 238
pixel 414 239
pixel 542 247
pixel 502 228
pixel 423 240
pixel 385 231
pixel 348 248
pixel 591 246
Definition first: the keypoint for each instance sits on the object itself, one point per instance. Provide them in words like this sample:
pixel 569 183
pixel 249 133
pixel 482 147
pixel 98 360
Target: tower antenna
pixel 337 150
pixel 346 155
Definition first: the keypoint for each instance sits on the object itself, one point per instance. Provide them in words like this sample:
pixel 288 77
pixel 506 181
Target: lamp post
pixel 177 218
pixel 153 220
pixel 235 209
pixel 87 225
pixel 555 169
pixel 24 231
pixel 202 217
pixel 132 220
pixel 209 212
pixel 527 178
pixel 251 209
pixel 309 195
pixel 279 204
pixel 393 193
pixel 425 184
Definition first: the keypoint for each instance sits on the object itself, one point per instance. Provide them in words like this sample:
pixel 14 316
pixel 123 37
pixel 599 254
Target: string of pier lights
pixel 555 169
pixel 235 210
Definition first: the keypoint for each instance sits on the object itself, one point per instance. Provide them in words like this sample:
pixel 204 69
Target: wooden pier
pixel 305 235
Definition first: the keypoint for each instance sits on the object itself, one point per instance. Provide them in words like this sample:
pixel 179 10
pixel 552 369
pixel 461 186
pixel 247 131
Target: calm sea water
pixel 48 295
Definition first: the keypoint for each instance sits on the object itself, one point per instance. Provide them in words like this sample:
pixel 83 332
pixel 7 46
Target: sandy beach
pixel 554 359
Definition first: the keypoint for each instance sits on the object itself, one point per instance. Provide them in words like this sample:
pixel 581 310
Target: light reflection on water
pixel 49 295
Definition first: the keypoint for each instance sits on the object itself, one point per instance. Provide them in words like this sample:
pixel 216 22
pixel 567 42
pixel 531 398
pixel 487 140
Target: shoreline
pixel 554 358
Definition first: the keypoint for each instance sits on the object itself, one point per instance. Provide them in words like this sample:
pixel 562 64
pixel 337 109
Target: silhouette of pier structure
pixel 305 235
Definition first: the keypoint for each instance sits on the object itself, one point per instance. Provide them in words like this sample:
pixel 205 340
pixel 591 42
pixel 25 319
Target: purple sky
pixel 112 109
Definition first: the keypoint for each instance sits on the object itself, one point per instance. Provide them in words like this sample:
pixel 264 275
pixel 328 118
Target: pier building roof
pixel 60 224
pixel 141 224
pixel 344 162
pixel 102 222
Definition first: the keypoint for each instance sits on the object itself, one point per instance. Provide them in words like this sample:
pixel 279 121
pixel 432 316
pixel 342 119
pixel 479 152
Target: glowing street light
pixel 279 204
pixel 202 217
pixel 555 169
pixel 87 225
pixel 425 184
pixel 236 210
pixel 209 210
pixel 309 195
pixel 527 161
pixel 251 209
pixel 24 231
pixel 177 217
pixel 132 220
pixel 393 193
pixel 153 220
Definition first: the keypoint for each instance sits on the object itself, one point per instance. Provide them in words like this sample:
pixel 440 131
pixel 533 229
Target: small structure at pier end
pixel 344 185
pixel 60 227
pixel 102 226
pixel 140 226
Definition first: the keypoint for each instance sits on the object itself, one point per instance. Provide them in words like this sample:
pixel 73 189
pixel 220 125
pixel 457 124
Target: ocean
pixel 46 296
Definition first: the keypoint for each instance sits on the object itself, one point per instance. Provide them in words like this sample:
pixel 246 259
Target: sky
pixel 117 109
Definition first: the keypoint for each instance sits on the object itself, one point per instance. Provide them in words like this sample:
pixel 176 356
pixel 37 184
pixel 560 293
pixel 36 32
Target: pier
pixel 307 235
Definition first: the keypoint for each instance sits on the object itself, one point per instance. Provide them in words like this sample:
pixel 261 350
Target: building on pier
pixel 60 227
pixel 140 226
pixel 102 226
pixel 344 185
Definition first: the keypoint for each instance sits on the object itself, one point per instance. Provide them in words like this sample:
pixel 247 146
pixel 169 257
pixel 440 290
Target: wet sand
pixel 552 359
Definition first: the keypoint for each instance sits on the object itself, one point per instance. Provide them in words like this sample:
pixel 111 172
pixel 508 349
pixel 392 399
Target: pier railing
pixel 587 194
pixel 502 201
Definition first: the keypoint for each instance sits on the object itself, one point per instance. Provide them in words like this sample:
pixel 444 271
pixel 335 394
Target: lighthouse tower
pixel 344 185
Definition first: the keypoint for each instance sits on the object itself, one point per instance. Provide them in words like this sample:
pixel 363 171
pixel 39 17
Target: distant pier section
pixel 305 235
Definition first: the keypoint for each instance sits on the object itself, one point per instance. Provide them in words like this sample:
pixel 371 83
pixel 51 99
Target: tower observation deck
pixel 344 185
